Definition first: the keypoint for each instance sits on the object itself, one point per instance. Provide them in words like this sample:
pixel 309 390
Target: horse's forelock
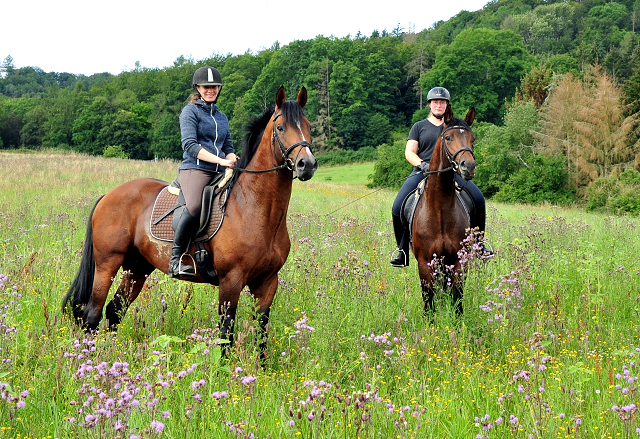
pixel 293 113
pixel 459 122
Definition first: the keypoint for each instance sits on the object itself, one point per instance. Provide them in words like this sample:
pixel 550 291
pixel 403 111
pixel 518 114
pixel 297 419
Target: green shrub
pixel 114 151
pixel 392 167
pixel 616 195
pixel 544 180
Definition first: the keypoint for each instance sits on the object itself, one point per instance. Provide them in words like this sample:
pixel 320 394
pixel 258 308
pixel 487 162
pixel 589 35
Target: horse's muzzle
pixel 305 167
pixel 306 164
pixel 467 169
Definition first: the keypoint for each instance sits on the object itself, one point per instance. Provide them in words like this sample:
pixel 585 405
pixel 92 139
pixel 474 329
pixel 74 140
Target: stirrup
pixel 182 267
pixel 487 250
pixel 179 269
pixel 400 260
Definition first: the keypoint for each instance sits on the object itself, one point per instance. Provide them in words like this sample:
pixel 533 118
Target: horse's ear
pixel 471 115
pixel 281 97
pixel 302 97
pixel 448 114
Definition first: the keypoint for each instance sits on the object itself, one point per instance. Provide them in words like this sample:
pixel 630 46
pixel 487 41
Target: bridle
pixel 452 157
pixel 275 139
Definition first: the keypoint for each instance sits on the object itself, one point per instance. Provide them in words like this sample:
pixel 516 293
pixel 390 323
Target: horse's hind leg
pixel 105 270
pixel 135 271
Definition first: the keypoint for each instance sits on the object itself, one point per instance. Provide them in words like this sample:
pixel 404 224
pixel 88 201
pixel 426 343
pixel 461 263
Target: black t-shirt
pixel 426 134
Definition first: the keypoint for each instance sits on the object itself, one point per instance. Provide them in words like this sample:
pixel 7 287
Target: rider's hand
pixel 424 166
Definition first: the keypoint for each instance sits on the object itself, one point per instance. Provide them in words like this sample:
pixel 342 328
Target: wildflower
pixel 247 380
pixel 157 426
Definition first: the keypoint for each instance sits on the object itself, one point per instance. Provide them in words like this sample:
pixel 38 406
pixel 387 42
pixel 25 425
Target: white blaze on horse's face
pixel 300 129
pixel 306 148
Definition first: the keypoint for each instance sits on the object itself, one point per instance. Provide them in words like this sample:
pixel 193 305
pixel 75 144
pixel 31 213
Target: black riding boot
pixel 402 258
pixel 480 222
pixel 184 232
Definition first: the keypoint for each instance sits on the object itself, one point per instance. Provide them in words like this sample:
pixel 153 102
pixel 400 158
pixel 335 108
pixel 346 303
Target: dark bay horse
pixel 250 248
pixel 440 221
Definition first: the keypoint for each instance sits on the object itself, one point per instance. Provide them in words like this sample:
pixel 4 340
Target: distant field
pixel 346 174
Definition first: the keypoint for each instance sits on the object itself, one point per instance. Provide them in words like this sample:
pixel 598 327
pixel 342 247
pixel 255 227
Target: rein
pixel 288 163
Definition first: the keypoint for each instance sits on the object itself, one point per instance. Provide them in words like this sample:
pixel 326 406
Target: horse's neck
pixel 440 185
pixel 267 192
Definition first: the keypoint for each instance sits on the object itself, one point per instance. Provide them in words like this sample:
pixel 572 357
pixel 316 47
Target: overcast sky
pixel 86 36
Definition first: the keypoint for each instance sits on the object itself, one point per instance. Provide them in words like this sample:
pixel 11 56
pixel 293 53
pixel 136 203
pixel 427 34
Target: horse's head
pixel 292 133
pixel 457 140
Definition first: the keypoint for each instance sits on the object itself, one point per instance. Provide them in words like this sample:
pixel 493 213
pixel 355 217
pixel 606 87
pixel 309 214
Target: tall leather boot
pixel 184 232
pixel 480 221
pixel 402 258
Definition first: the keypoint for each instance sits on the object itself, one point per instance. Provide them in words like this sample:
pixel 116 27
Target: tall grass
pixel 546 347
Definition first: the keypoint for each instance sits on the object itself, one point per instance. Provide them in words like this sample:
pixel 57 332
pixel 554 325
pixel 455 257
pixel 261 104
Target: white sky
pixel 86 36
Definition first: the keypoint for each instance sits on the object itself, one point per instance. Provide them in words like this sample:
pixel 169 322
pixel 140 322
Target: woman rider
pixel 208 150
pixel 420 145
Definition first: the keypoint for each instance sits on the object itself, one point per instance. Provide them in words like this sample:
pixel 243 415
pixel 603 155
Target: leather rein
pixel 288 163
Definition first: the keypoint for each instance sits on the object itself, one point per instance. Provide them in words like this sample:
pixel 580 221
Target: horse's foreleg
pixel 456 298
pixel 227 323
pixel 264 292
pixel 263 320
pixel 428 294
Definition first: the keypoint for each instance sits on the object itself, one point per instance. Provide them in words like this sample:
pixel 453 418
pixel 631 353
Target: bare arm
pixel 411 152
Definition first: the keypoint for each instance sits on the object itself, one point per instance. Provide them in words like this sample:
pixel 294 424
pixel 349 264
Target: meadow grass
pixel 354 174
pixel 546 347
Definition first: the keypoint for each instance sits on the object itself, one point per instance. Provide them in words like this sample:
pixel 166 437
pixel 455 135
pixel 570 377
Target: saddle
pixel 410 203
pixel 169 205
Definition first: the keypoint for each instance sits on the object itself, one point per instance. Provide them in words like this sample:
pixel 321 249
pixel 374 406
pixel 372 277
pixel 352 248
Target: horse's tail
pixel 80 291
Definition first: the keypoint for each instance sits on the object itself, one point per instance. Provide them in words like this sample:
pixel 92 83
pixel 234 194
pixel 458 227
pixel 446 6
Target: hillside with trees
pixel 556 86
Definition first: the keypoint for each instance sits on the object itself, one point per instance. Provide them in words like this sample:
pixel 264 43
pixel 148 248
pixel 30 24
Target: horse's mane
pixel 291 112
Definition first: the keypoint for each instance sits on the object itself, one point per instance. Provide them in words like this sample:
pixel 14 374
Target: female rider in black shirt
pixel 420 145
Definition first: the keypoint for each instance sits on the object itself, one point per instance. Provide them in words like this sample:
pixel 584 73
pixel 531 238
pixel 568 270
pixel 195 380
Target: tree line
pixel 507 60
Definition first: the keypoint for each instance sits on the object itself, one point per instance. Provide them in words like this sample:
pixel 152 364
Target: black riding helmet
pixel 438 93
pixel 207 75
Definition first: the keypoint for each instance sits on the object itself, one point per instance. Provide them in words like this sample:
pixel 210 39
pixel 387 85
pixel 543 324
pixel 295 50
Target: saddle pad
pixel 163 230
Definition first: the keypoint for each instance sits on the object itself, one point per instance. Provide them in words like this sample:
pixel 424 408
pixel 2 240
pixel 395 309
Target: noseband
pixel 452 157
pixel 288 163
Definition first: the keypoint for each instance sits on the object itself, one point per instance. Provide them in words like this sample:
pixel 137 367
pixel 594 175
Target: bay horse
pixel 440 220
pixel 249 249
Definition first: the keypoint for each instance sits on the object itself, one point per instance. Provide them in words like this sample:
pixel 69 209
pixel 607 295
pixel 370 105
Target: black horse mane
pixel 291 112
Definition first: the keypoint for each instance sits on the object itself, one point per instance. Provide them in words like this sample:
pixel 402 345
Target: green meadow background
pixel 547 346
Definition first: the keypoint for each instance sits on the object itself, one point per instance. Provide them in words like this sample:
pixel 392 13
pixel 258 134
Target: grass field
pixel 547 346
pixel 355 174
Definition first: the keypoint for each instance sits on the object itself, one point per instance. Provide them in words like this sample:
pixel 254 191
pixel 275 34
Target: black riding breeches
pixel 411 183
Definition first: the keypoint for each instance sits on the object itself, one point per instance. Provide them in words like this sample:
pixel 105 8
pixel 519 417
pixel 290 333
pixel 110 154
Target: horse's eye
pixel 280 128
pixel 447 138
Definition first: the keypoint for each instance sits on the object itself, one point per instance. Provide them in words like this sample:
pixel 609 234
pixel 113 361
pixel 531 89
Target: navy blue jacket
pixel 202 125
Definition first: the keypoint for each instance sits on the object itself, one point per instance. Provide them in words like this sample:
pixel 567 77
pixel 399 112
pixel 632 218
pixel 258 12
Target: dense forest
pixel 556 86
